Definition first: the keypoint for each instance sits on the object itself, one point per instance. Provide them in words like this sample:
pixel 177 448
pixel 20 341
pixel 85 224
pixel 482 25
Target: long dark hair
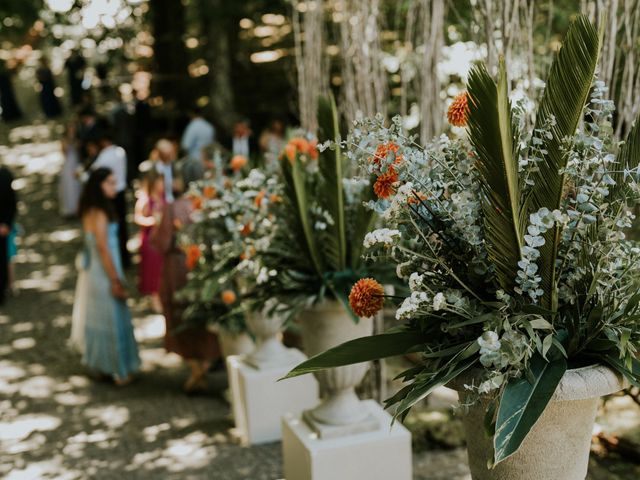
pixel 93 198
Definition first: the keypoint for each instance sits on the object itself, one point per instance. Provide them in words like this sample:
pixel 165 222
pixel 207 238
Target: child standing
pixel 147 214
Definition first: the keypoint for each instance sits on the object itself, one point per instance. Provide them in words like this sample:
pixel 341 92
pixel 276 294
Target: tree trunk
pixel 220 26
pixel 170 79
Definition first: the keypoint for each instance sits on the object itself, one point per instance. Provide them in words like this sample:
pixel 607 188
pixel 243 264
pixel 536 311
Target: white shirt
pixel 241 146
pixel 198 134
pixel 114 158
pixel 166 169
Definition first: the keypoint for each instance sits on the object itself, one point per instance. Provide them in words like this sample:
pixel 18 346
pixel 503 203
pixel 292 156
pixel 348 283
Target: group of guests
pixel 102 328
pixel 78 85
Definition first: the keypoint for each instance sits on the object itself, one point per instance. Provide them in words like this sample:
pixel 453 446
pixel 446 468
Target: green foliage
pixel 522 403
pixel 562 104
pixel 359 350
pixel 492 132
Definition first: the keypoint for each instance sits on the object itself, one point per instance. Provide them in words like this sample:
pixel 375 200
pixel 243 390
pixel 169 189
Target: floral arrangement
pixel 512 244
pixel 230 221
pixel 315 244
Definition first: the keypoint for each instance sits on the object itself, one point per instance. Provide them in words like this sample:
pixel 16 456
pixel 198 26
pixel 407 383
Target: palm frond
pixel 294 189
pixel 493 133
pixel 564 99
pixel 331 169
pixel 628 159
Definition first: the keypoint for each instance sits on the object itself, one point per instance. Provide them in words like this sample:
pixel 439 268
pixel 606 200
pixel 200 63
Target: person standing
pixel 48 100
pixel 166 152
pixel 114 157
pixel 109 344
pixel 272 142
pixel 75 66
pixel 123 121
pixel 8 209
pixel 241 135
pixel 198 134
pixel 147 216
pixel 69 185
pixel 9 109
pixel 196 345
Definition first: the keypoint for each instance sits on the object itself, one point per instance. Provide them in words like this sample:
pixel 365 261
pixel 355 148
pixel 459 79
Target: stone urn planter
pixel 325 326
pixel 558 445
pixel 234 343
pixel 269 351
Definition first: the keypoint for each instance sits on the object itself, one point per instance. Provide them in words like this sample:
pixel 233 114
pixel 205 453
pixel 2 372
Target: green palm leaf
pixel 495 137
pixel 628 158
pixel 331 169
pixel 296 192
pixel 564 99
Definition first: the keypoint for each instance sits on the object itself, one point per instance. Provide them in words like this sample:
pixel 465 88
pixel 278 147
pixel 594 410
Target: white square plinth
pixel 259 401
pixel 384 454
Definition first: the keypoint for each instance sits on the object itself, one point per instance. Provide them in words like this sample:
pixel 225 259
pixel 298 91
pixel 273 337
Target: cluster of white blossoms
pixel 385 237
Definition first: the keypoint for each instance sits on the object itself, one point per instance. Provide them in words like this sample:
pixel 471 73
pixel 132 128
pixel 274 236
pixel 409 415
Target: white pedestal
pixel 384 454
pixel 259 401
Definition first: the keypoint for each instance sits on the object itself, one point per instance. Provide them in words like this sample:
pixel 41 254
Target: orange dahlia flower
pixel 383 150
pixel 193 255
pixel 228 297
pixel 385 184
pixel 299 145
pixel 238 162
pixel 209 191
pixel 366 297
pixel 458 112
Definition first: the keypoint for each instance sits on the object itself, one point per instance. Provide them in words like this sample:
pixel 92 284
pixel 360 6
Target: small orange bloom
pixel 366 297
pixel 458 112
pixel 228 297
pixel 312 149
pixel 383 150
pixel 299 145
pixel 385 184
pixel 238 162
pixel 273 198
pixel 416 198
pixel 259 198
pixel 196 202
pixel 193 255
pixel 290 151
pixel 246 229
pixel 209 191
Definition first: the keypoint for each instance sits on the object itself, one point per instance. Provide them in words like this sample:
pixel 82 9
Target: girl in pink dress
pixel 147 214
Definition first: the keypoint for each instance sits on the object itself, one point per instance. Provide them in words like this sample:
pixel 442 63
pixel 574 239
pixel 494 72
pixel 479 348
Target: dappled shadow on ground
pixel 54 421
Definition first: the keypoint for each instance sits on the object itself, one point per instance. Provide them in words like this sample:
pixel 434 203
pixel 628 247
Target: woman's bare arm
pixel 101 232
pixel 142 214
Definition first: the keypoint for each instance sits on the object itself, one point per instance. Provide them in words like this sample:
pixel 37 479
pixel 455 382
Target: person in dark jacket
pixel 48 100
pixel 8 208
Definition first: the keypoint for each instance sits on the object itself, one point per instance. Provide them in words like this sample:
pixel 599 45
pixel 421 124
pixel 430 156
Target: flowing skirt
pixel 69 186
pixel 109 343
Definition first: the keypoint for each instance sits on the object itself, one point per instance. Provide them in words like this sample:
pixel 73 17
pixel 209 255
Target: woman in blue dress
pixel 109 344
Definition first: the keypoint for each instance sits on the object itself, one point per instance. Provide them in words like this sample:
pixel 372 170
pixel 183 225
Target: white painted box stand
pixel 384 454
pixel 259 401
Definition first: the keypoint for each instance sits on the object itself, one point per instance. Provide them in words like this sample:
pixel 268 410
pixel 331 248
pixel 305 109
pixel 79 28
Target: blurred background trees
pixel 266 59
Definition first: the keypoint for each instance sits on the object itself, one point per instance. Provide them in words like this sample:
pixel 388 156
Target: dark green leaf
pixel 359 350
pixel 523 402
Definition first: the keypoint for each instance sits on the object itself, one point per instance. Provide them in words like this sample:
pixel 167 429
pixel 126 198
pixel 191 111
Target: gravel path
pixel 55 423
